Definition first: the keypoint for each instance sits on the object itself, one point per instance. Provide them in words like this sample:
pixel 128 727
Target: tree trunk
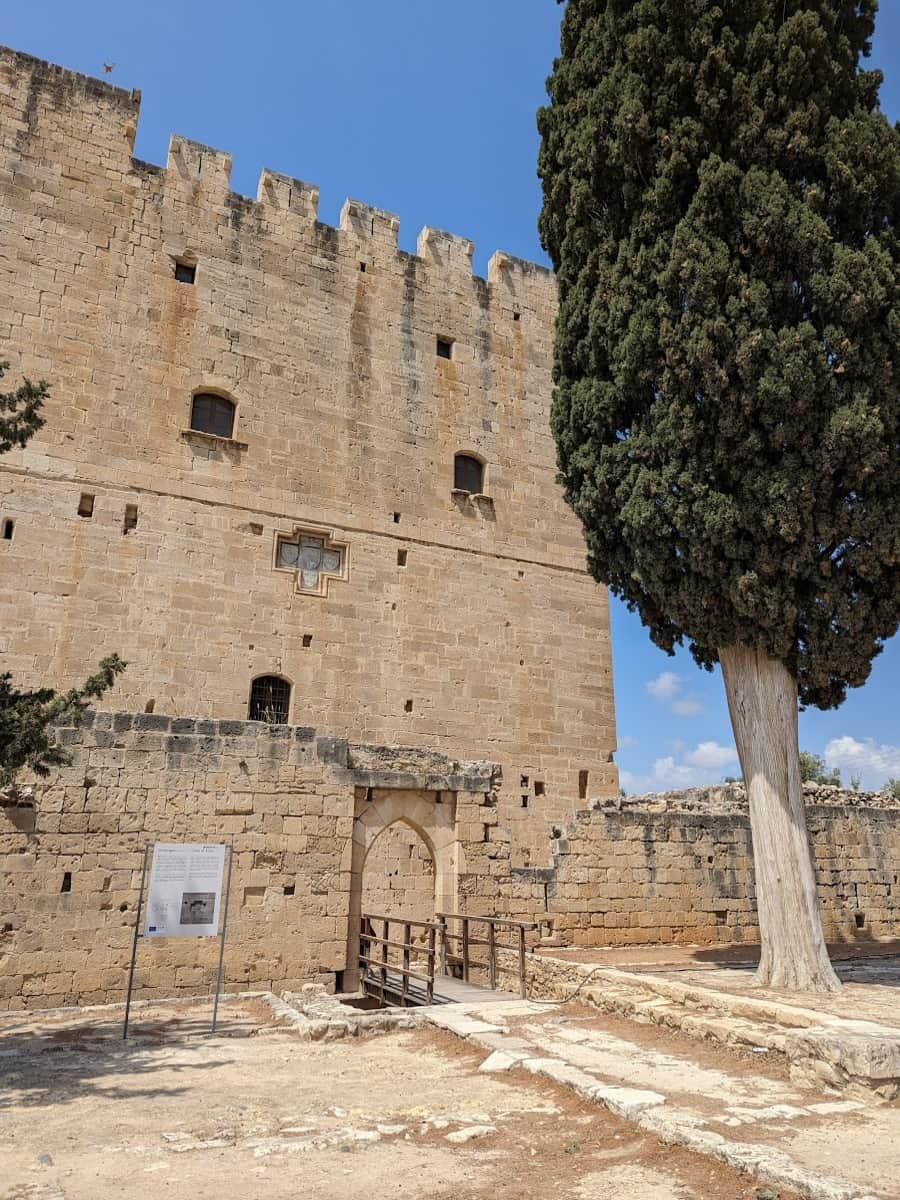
pixel 762 700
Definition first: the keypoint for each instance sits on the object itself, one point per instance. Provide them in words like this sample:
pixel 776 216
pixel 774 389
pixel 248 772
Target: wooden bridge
pixel 411 963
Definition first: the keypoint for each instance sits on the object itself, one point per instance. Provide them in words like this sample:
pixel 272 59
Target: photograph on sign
pixel 185 890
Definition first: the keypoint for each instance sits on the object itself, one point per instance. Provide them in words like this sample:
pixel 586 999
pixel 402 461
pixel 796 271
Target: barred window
pixel 270 700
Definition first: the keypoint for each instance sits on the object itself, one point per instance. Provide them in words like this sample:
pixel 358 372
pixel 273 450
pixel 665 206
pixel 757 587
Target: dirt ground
pixel 256 1114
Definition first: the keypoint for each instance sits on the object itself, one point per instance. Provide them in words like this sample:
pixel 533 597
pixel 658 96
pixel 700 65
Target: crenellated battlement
pixel 42 97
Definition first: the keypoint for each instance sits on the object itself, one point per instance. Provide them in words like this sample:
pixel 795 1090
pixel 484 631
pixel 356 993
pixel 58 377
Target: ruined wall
pixel 466 625
pixel 679 868
pixel 285 798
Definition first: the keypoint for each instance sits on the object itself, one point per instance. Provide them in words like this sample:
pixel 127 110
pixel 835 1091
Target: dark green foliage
pixel 721 203
pixel 813 770
pixel 20 412
pixel 27 720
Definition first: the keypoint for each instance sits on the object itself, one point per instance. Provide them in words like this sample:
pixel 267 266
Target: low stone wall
pixel 285 798
pixel 679 868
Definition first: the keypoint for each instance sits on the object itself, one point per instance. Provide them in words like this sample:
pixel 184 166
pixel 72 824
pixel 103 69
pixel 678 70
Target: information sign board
pixel 185 891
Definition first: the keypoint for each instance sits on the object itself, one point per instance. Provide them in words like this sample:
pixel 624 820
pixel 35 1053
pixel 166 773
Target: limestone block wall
pixel 284 797
pixel 460 623
pixel 398 877
pixel 680 869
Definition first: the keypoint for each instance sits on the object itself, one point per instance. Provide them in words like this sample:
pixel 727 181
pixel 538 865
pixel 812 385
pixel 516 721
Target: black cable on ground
pixel 587 979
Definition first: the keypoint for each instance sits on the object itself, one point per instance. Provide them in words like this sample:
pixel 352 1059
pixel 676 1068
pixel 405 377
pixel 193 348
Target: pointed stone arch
pixel 432 817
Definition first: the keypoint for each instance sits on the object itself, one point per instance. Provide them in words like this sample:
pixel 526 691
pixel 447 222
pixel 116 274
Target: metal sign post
pixel 183 899
pixel 137 934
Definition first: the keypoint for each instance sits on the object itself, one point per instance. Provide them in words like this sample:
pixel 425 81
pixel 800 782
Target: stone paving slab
pixel 761 1124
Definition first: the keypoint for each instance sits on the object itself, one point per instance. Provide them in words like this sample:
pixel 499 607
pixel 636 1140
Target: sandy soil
pixel 255 1114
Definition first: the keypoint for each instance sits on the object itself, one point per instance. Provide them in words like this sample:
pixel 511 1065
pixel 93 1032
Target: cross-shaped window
pixel 314 558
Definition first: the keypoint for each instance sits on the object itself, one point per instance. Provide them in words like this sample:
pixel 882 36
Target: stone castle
pixel 304 483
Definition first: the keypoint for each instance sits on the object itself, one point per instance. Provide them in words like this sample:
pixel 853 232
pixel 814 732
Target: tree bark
pixel 762 700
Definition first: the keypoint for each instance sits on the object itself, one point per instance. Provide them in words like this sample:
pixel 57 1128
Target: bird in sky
pixel 108 68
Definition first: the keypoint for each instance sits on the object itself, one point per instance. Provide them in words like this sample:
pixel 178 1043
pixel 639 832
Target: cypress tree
pixel 722 206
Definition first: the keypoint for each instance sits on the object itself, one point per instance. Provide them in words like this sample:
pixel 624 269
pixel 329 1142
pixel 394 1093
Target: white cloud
pixel 665 686
pixel 712 756
pixel 873 764
pixel 702 765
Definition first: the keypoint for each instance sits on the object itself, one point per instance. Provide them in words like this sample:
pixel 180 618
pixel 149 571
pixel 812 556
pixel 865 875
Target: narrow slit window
pixel 468 474
pixel 582 785
pixel 9 526
pixel 270 700
pixel 86 505
pixel 444 348
pixel 212 414
pixel 131 518
pixel 66 882
pixel 402 556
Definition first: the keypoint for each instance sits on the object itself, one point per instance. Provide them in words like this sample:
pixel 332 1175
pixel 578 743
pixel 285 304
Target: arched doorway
pixel 415 829
pixel 399 875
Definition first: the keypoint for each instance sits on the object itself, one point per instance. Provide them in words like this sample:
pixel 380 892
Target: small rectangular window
pixel 8 527
pixel 66 882
pixel 401 558
pixel 86 505
pixel 444 348
pixel 131 518
pixel 185 272
pixel 582 785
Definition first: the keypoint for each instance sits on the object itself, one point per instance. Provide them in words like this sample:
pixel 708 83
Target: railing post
pixel 404 995
pixel 522 986
pixel 492 955
pixel 465 949
pixel 429 986
pixel 384 957
pixel 442 920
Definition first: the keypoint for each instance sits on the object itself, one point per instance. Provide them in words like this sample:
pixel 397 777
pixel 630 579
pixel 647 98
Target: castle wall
pixel 465 625
pixel 284 798
pixel 679 869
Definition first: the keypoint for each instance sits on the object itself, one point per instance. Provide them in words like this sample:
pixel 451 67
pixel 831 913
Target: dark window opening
pixel 289 889
pixel 582 785
pixel 408 706
pixel 396 518
pixel 524 801
pixel 339 982
pixel 539 788
pixel 270 700
pixel 402 556
pixel 523 782
pixel 517 316
pixel 149 706
pixel 67 882
pixel 362 267
pixel 860 920
pixel 185 272
pixel 9 526
pixel 307 641
pixel 85 505
pixel 468 474
pixel 444 348
pixel 212 414
pixel 131 518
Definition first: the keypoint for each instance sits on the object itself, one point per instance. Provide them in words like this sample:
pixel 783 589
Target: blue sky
pixel 428 111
